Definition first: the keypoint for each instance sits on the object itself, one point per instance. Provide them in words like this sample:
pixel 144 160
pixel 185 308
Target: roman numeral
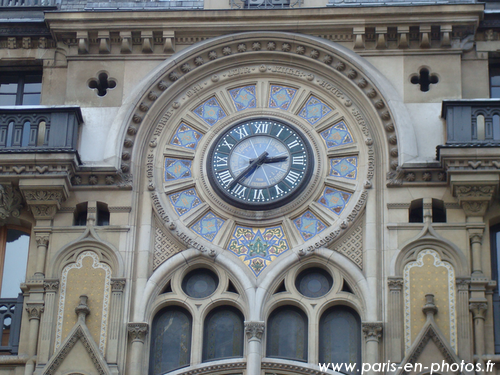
pixel 239 190
pixel 221 161
pixel 277 135
pixel 293 144
pixel 278 190
pixel 298 160
pixel 292 177
pixel 226 143
pixel 261 128
pixel 257 194
pixel 226 177
pixel 242 132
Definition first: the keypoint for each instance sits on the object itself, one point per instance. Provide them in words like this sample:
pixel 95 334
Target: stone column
pixel 254 332
pixel 35 311
pixel 137 334
pixel 463 316
pixel 42 241
pixel 394 335
pixel 476 237
pixel 373 334
pixel 478 310
pixel 115 313
pixel 47 322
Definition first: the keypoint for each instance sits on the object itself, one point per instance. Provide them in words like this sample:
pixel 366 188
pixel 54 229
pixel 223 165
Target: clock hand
pixel 272 159
pixel 255 163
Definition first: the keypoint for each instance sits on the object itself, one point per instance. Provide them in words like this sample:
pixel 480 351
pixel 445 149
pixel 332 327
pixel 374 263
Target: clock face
pixel 259 164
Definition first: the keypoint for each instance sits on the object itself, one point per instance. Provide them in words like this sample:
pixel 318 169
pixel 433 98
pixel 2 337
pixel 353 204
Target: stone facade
pixel 112 179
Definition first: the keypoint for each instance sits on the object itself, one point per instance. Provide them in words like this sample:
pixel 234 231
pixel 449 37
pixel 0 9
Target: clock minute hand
pixel 272 159
pixel 255 163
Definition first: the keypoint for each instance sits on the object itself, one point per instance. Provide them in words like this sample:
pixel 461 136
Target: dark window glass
pixel 495 81
pixel 287 334
pixel 416 211
pixel 170 340
pixel 340 337
pixel 438 211
pixel 200 283
pixel 314 282
pixel 20 88
pixel 495 272
pixel 223 334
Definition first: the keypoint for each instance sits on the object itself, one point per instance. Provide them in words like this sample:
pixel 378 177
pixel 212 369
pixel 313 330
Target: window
pixel 416 211
pixel 340 337
pixel 223 334
pixel 102 214
pixel 495 81
pixel 438 211
pixel 495 272
pixel 287 334
pixel 170 340
pixel 20 88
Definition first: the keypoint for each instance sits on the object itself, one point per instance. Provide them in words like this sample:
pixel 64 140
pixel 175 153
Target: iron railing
pixel 11 310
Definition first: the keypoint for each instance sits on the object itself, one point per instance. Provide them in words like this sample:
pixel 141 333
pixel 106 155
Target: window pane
pixel 7 99
pixel 170 340
pixel 287 334
pixel 16 259
pixel 340 337
pixel 32 88
pixel 223 334
pixel 8 88
pixel 495 80
pixel 31 99
pixel 495 92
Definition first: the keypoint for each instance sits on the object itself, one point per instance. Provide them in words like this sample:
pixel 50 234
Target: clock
pixel 259 164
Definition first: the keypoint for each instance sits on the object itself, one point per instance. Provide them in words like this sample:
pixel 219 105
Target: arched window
pixel 340 337
pixel 287 334
pixel 223 334
pixel 170 340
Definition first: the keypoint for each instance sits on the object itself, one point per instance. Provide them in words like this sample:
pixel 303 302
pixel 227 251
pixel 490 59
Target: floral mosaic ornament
pixel 258 247
pixel 344 167
pixel 335 200
pixel 309 225
pixel 184 201
pixel 314 110
pixel 176 169
pixel 210 111
pixel 281 97
pixel 337 135
pixel 208 226
pixel 186 137
pixel 243 97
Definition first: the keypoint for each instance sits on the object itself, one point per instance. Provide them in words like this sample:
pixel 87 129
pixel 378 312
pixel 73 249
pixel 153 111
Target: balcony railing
pixel 11 311
pixel 39 129
pixel 472 123
pixel 27 3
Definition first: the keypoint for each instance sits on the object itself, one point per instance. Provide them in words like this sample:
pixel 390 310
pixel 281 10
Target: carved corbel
pixel 168 42
pixel 147 41
pixel 474 197
pixel 403 32
pixel 254 330
pixel 137 331
pixel 10 202
pixel 381 32
pixel 83 42
pixel 359 37
pixel 44 201
pixel 425 36
pixel 103 37
pixel 126 37
pixel 446 35
pixel 372 331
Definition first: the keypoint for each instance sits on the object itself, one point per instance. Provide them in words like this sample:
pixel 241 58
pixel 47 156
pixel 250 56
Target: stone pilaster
pixel 394 334
pixel 115 313
pixel 47 323
pixel 463 320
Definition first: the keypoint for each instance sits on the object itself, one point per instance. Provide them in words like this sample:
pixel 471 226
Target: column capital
pixel 372 331
pixel 137 331
pixel 118 284
pixel 35 310
pixel 51 285
pixel 254 330
pixel 395 284
pixel 478 309
pixel 42 239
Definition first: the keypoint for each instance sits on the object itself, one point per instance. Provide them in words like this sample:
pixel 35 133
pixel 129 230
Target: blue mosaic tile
pixel 258 247
pixel 176 169
pixel 243 97
pixel 210 111
pixel 314 110
pixel 184 201
pixel 344 167
pixel 309 225
pixel 186 137
pixel 335 200
pixel 281 97
pixel 208 226
pixel 337 135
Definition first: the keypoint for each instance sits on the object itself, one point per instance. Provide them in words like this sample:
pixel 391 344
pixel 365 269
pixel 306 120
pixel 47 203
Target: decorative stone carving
pixel 137 331
pixel 34 309
pixel 372 331
pixel 254 330
pixel 478 309
pixel 118 285
pixel 51 285
pixel 42 240
pixel 44 203
pixel 395 284
pixel 10 202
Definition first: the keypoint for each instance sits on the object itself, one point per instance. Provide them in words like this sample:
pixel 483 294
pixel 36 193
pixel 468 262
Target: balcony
pixel 11 311
pixel 472 123
pixel 39 129
pixel 28 3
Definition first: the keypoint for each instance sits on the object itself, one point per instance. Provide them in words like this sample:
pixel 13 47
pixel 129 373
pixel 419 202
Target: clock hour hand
pixel 254 164
pixel 272 159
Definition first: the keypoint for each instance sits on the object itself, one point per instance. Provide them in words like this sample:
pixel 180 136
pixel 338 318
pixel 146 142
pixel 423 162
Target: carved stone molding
pixel 255 330
pixel 44 201
pixel 117 285
pixel 10 202
pixel 478 309
pixel 372 331
pixel 51 285
pixel 474 198
pixel 42 240
pixel 137 331
pixel 395 284
pixel 211 369
pixel 35 310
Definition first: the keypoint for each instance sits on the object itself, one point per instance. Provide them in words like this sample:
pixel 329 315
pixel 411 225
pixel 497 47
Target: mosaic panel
pixel 335 200
pixel 429 274
pixel 176 169
pixel 309 225
pixel 208 226
pixel 210 111
pixel 186 137
pixel 184 201
pixel 243 97
pixel 281 96
pixel 258 247
pixel 314 110
pixel 344 167
pixel 337 135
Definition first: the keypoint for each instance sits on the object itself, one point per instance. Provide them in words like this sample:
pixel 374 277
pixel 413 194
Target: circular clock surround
pixel 259 164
